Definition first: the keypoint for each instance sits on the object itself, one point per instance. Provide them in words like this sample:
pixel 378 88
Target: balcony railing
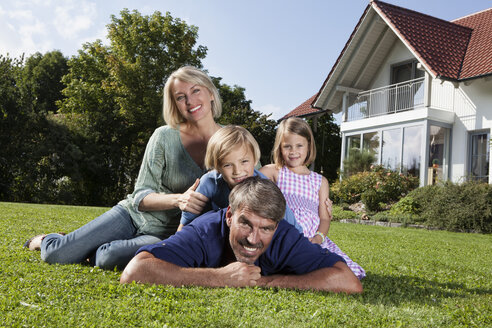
pixel 386 100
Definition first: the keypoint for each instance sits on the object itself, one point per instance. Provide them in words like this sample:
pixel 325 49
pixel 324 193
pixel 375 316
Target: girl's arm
pixel 270 171
pixel 324 211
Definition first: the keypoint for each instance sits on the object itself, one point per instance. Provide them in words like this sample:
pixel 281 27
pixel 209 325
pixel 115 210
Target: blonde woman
pixel 166 183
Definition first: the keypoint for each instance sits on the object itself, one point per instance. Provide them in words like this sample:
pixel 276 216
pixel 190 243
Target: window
pixel 405 72
pixel 479 157
pixel 404 96
pixel 412 141
pixel 370 142
pixel 391 150
pixel 438 154
pixel 353 142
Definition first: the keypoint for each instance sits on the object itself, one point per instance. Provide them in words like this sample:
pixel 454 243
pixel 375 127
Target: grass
pixel 415 278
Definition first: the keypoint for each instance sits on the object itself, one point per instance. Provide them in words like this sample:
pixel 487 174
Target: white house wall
pixel 399 53
pixel 473 109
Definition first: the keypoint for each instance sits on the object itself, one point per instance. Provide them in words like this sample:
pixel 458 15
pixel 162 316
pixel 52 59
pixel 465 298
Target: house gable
pixel 455 51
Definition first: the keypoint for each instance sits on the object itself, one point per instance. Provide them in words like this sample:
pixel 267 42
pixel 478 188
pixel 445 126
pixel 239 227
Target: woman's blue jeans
pixel 108 241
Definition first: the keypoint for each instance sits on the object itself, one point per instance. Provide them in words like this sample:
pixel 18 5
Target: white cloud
pixel 276 111
pixel 21 32
pixel 74 17
pixel 101 34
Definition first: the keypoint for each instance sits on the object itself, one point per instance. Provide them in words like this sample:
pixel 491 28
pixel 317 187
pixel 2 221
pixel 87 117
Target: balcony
pixel 390 99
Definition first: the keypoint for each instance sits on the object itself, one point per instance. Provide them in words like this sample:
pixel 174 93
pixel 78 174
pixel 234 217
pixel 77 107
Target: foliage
pixel 451 206
pixel 41 81
pixel 415 278
pixel 358 161
pixel 406 205
pixel 339 213
pixel 387 216
pixel 13 121
pixel 372 199
pixel 328 143
pixel 114 93
pixel 236 109
pixel 379 185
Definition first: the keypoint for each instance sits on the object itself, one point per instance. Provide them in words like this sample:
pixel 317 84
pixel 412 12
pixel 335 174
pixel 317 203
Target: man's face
pixel 250 234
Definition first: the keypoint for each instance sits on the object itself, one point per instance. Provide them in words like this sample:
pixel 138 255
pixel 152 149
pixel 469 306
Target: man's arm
pixel 146 268
pixel 338 278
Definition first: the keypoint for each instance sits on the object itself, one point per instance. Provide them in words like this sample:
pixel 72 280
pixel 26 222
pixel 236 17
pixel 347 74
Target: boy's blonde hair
pixel 225 140
pixel 189 74
pixel 297 126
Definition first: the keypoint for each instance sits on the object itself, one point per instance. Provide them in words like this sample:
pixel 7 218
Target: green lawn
pixel 415 278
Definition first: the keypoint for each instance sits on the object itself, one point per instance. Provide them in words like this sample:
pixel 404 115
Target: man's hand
pixel 239 274
pixel 192 201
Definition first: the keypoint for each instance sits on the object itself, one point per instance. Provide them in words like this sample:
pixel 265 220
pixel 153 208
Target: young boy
pixel 232 154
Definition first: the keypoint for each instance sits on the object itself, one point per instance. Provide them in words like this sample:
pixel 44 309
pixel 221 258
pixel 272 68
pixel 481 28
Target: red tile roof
pixel 478 58
pixel 441 45
pixel 456 50
pixel 303 109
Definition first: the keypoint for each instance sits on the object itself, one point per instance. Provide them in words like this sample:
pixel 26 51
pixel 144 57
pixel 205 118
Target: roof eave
pixel 427 67
pixel 337 62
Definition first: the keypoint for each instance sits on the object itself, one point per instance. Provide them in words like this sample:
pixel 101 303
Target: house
pixel 416 91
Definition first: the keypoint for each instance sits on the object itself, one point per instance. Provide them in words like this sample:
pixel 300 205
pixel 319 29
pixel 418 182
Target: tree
pixel 237 110
pixel 13 120
pixel 114 93
pixel 328 143
pixel 41 81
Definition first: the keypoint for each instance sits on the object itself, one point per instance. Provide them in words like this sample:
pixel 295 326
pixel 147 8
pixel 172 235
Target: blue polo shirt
pixel 213 186
pixel 201 245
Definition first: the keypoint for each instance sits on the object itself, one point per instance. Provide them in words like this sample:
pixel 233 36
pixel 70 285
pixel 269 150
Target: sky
pixel 280 51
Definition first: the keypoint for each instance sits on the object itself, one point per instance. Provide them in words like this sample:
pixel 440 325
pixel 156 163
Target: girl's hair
pixel 225 140
pixel 189 74
pixel 297 126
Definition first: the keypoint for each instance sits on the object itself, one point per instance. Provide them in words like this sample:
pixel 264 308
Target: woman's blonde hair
pixel 297 126
pixel 225 140
pixel 189 74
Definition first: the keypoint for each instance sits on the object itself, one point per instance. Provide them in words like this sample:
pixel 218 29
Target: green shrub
pixel 455 207
pixel 371 199
pixel 339 213
pixel 389 185
pixel 387 216
pixel 406 205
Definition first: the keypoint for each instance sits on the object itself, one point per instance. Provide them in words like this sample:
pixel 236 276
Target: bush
pixel 387 216
pixel 372 199
pixel 339 213
pixel 455 207
pixel 406 205
pixel 389 187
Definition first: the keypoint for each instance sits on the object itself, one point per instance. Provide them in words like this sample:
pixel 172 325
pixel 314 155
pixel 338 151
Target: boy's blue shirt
pixel 213 186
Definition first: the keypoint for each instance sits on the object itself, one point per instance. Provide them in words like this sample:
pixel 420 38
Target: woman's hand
pixel 192 201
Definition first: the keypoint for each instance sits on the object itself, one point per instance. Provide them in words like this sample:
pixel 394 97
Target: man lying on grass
pixel 246 244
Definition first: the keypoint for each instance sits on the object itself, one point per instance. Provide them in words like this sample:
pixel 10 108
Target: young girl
pixel 304 190
pixel 232 154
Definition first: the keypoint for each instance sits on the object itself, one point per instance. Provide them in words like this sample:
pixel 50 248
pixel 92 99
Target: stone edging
pixel 383 224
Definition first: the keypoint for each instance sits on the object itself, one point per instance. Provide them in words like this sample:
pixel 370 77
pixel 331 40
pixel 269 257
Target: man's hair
pixel 189 74
pixel 294 125
pixel 225 140
pixel 260 196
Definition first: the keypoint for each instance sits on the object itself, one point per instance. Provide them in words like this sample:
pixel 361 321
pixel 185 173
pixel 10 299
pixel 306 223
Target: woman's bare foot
pixel 34 244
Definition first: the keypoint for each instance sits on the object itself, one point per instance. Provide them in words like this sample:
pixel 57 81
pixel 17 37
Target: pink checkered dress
pixel 301 191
